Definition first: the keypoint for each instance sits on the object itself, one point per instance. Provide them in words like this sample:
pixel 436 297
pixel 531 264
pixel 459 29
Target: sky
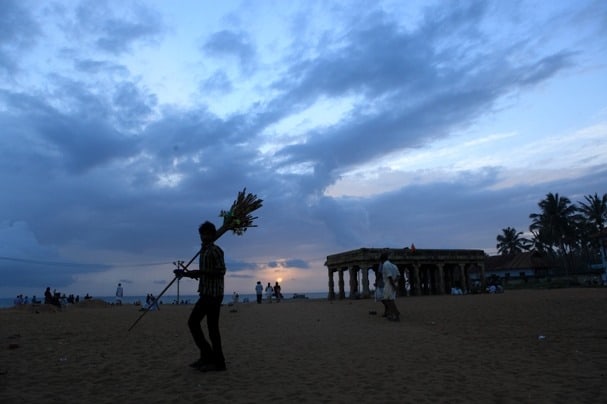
pixel 124 125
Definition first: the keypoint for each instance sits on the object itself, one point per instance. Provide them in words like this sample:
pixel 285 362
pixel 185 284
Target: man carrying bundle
pixel 211 273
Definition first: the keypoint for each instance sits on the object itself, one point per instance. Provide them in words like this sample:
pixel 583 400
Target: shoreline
pixel 186 299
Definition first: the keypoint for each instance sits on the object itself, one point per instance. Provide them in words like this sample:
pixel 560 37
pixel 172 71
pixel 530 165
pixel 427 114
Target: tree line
pixel 562 230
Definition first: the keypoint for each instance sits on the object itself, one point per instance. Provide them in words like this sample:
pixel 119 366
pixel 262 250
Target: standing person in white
pixel 269 292
pixel 390 275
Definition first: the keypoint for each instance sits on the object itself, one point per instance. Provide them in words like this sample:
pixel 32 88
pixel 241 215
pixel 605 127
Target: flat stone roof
pixel 403 255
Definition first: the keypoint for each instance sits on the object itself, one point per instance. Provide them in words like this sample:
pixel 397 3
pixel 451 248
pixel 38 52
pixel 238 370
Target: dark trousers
pixel 259 298
pixel 209 307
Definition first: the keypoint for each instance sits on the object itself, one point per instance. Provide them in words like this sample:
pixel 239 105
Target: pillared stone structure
pixel 422 271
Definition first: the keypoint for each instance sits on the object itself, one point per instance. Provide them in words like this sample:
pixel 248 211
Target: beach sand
pixel 520 346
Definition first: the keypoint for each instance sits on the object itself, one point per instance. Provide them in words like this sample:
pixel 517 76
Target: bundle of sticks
pixel 238 219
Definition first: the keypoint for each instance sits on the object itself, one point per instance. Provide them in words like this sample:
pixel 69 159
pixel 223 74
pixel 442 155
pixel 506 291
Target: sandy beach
pixel 520 346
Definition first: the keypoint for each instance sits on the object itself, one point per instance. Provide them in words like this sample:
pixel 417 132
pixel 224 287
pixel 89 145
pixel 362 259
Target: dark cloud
pixel 133 106
pixel 297 263
pixel 90 66
pixel 289 263
pixel 28 273
pixel 237 266
pixel 74 141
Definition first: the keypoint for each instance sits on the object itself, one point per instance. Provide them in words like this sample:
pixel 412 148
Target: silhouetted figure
pixel 211 272
pixel 50 298
pixel 259 291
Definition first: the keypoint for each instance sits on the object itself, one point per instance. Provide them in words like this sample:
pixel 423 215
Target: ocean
pixel 183 299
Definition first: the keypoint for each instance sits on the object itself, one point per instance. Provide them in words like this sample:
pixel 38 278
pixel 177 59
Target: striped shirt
pixel 212 269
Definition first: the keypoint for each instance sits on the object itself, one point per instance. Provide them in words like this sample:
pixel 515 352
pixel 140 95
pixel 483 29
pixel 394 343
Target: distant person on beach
pixel 259 291
pixel 211 272
pixel 50 298
pixel 390 275
pixel 151 302
pixel 277 292
pixel 379 288
pixel 119 292
pixel 269 292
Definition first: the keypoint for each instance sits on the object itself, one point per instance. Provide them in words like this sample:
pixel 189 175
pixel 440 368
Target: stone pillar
pixel 340 284
pixel 331 285
pixel 365 273
pixel 353 272
pixel 401 282
pixel 455 275
pixel 417 286
pixel 467 277
pixel 441 279
pixel 462 272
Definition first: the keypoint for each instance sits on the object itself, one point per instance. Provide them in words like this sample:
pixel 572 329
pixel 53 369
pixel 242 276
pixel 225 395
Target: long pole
pixel 163 291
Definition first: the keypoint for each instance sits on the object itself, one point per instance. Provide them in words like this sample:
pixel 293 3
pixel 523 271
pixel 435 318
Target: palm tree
pixel 591 220
pixel 556 226
pixel 510 242
pixel 594 212
pixel 536 243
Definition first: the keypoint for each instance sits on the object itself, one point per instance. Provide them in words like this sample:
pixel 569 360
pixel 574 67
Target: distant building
pixel 521 266
pixel 421 271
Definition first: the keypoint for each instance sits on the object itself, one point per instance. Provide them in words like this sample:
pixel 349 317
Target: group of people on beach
pixel 54 298
pixel 151 302
pixel 21 300
pixel 271 292
pixel 60 299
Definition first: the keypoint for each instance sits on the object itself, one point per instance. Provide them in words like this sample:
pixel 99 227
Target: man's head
pixel 384 256
pixel 207 231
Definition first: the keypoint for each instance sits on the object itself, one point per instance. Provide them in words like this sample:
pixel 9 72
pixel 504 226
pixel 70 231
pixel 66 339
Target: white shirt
pixel 389 270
